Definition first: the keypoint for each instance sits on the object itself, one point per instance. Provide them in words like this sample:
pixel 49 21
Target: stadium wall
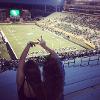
pixel 9 47
pixel 82 42
pixel 81 73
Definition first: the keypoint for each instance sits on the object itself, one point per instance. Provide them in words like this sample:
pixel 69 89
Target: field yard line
pixel 6 40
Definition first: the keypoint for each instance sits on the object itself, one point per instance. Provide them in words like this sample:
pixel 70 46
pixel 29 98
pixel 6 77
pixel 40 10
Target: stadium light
pixel 45 5
pixel 57 3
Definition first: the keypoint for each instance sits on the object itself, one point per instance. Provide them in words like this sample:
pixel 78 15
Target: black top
pixel 22 96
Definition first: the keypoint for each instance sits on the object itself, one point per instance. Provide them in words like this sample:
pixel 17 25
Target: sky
pixel 51 2
pixel 88 0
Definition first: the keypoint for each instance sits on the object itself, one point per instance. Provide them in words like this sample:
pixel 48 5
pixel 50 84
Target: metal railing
pixel 83 61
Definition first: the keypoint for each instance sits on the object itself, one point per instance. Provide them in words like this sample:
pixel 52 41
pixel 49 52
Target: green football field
pixel 18 35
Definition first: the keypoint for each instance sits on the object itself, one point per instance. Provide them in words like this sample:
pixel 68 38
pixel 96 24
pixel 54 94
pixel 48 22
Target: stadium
pixel 70 27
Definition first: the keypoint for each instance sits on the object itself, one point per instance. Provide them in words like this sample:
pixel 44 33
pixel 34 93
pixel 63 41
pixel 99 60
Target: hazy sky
pixel 52 2
pixel 88 0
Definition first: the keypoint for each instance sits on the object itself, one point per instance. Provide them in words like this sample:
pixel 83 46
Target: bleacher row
pixel 93 8
pixel 67 56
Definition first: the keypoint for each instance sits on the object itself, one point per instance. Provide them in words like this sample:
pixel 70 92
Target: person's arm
pixel 43 45
pixel 20 71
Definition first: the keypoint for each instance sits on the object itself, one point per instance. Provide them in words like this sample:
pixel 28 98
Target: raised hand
pixel 31 43
pixel 41 42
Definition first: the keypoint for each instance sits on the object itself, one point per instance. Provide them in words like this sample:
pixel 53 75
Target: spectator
pixel 29 84
pixel 53 74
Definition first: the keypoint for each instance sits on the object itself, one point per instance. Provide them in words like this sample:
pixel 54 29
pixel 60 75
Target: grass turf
pixel 18 35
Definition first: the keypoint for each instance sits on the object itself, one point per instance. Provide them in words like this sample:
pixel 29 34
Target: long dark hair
pixel 33 77
pixel 53 78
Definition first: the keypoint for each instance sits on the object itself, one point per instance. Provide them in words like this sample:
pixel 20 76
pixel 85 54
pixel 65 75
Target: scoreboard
pixel 14 13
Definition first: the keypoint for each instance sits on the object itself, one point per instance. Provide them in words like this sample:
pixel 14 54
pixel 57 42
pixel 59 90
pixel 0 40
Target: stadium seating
pixel 84 25
pixel 64 56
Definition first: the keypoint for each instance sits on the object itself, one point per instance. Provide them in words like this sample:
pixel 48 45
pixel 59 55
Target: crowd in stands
pixel 78 24
pixel 84 25
pixel 83 7
pixel 13 64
